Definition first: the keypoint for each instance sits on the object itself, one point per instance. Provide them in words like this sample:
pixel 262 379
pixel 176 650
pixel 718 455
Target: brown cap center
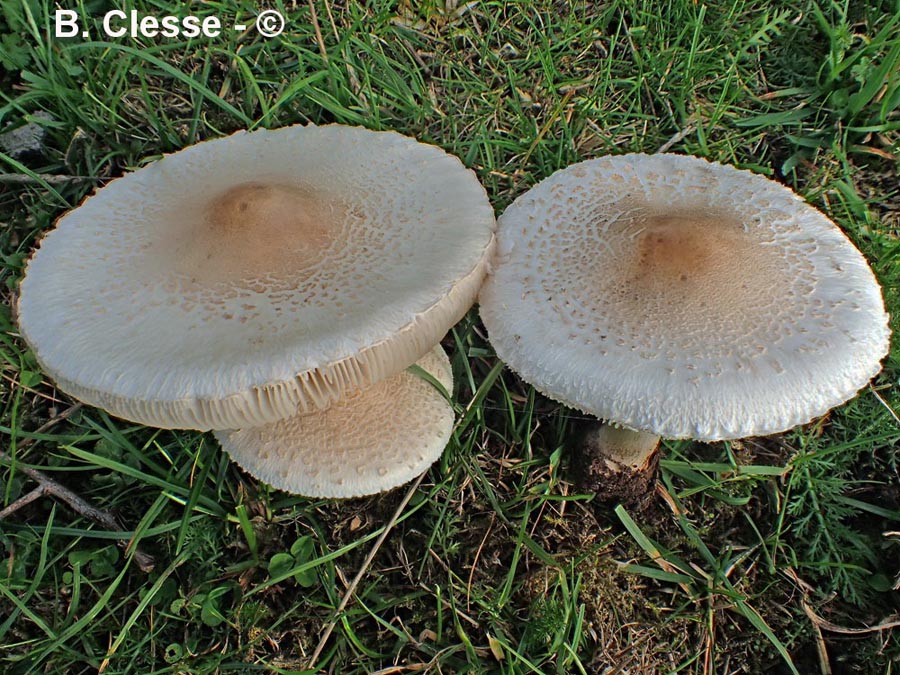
pixel 674 249
pixel 256 230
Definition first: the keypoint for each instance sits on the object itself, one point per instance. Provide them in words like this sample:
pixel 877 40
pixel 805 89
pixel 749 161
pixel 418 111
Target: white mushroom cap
pixel 242 279
pixel 372 441
pixel 682 297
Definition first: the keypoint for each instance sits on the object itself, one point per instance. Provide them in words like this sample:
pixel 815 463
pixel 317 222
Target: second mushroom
pixel 681 298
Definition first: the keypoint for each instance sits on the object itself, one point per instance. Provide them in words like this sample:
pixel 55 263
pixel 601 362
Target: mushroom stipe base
pixel 616 464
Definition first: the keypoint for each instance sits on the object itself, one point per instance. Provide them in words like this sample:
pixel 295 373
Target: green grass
pixel 497 564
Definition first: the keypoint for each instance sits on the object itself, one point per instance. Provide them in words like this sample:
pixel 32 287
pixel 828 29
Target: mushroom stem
pixel 617 464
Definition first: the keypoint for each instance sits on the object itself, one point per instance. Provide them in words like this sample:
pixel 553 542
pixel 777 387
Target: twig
pixel 677 138
pixel 49 424
pixel 475 561
pixel 329 628
pixel 894 622
pixel 50 179
pixel 22 501
pixel 315 22
pixel 334 29
pixel 821 649
pixel 415 54
pixel 362 571
pixel 885 404
pixel 677 511
pixel 462 615
pixel 895 535
pixel 554 115
pixel 48 486
pixel 351 71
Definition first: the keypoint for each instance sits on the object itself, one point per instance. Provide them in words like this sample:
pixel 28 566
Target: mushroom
pixel 681 298
pixel 275 283
pixel 244 279
pixel 367 442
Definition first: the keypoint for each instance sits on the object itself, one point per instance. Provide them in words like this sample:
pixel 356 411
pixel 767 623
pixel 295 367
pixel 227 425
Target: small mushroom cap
pixel 682 297
pixel 243 279
pixel 372 441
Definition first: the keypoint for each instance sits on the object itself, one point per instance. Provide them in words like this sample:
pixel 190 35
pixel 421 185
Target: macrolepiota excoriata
pixel 681 298
pixel 367 442
pixel 247 279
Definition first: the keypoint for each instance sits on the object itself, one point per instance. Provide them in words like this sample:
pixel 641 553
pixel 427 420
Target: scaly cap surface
pixel 245 278
pixel 372 441
pixel 682 297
